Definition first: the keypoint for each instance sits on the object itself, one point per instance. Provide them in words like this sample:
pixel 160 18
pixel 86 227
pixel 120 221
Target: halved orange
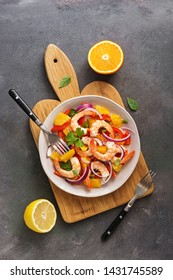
pixel 105 57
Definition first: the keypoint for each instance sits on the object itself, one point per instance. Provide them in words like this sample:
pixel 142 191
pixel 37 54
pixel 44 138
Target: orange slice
pixel 105 57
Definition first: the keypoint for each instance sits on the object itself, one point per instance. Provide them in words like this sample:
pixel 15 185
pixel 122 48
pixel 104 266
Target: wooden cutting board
pixel 75 208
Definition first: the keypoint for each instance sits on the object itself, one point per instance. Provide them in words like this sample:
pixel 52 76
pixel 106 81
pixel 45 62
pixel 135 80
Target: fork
pixel 141 188
pixel 54 140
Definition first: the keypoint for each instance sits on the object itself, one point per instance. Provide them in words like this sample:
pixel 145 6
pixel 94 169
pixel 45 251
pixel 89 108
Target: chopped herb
pixel 102 129
pixel 117 162
pixel 79 132
pixel 132 104
pixel 75 172
pixel 85 124
pixel 79 143
pixel 125 121
pixel 72 113
pixel 71 138
pixel 65 165
pixel 65 81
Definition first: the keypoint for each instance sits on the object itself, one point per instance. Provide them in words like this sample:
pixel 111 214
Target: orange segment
pixel 105 57
pixel 102 149
pixel 68 155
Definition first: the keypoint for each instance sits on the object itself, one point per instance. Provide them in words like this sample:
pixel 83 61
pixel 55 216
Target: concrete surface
pixel 144 30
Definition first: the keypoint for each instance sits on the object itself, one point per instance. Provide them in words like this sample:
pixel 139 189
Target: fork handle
pixel 24 106
pixel 105 236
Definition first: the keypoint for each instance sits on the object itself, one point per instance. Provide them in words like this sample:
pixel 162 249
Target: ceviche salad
pixel 99 145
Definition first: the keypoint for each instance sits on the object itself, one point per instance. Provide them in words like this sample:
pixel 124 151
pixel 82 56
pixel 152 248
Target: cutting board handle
pixel 58 66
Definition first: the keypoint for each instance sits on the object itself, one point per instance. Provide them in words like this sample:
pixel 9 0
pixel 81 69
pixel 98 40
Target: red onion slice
pixel 85 160
pixel 95 111
pixel 92 169
pixel 115 140
pixel 81 179
pixel 50 150
pixel 126 128
pixel 104 181
pixel 84 106
pixel 99 142
pixel 122 151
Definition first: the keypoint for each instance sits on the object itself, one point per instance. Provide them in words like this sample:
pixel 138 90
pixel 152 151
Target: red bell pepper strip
pixel 106 117
pixel 113 171
pixel 67 111
pixel 122 135
pixel 114 174
pixel 127 157
pixel 56 128
pixel 81 121
pixel 128 141
pixel 61 134
pixel 119 132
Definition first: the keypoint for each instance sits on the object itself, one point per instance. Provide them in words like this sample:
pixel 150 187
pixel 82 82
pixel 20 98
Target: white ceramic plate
pixel 113 184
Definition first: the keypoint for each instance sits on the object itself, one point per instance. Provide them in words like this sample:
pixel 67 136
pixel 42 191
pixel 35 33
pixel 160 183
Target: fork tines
pixel 149 177
pixel 61 147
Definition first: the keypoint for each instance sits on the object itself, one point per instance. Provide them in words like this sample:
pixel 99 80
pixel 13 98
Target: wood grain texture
pixel 103 89
pixel 75 208
pixel 57 66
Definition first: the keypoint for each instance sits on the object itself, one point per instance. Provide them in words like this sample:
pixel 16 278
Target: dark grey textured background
pixel 144 29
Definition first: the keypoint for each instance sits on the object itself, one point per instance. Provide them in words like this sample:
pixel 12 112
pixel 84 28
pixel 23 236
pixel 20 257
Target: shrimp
pixel 86 140
pixel 119 150
pixel 94 130
pixel 87 153
pixel 111 150
pixel 74 120
pixel 97 165
pixel 76 166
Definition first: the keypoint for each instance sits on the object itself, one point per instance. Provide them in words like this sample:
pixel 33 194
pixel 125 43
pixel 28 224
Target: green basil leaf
pixel 132 104
pixel 65 81
pixel 117 161
pixel 65 165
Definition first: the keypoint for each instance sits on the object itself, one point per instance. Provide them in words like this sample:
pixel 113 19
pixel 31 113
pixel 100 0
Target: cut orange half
pixel 105 57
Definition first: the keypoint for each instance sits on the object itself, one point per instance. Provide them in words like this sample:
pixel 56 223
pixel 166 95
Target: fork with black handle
pixel 54 140
pixel 141 188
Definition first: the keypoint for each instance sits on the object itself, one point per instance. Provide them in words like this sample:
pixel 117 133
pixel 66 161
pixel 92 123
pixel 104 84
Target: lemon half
pixel 40 215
